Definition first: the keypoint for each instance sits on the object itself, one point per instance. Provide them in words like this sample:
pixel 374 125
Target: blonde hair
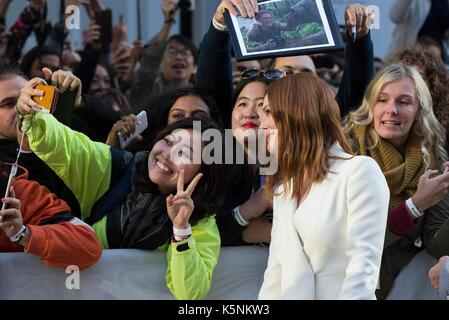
pixel 427 127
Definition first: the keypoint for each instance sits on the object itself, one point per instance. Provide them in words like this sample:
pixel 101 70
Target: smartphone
pixel 58 103
pixel 140 127
pixel 12 174
pixel 104 20
pixel 65 105
pixel 49 100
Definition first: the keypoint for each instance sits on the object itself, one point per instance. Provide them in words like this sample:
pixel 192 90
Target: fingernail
pixel 3 200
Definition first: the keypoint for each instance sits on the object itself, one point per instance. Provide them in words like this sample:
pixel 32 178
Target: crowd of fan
pixel 77 192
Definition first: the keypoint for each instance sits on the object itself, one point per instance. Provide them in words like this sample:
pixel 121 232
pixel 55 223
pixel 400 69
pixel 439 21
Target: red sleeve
pixel 399 221
pixel 65 244
pixel 60 244
pixel 38 204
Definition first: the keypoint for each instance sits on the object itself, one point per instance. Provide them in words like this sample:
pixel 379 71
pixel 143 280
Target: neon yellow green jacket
pixel 85 167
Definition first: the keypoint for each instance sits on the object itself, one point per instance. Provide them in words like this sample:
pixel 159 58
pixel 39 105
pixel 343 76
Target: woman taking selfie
pixel 158 199
pixel 330 207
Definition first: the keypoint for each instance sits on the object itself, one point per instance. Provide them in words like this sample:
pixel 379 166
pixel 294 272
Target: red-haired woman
pixel 330 207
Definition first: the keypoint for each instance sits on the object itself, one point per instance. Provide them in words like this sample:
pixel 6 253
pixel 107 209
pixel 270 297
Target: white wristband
pixel 16 238
pixel 219 26
pixel 179 239
pixel 238 217
pixel 413 209
pixel 182 232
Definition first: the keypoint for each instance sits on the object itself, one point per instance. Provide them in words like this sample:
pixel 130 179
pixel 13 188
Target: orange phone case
pixel 49 99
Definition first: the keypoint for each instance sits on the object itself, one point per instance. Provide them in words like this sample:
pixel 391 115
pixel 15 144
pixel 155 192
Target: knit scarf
pixel 402 171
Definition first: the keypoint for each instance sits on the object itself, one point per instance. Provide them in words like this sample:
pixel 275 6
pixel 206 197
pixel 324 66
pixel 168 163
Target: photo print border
pixel 288 37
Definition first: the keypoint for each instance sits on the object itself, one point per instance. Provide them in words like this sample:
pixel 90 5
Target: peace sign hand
pixel 180 207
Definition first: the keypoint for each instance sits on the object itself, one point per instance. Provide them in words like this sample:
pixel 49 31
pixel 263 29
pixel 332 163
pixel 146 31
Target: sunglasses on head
pixel 272 74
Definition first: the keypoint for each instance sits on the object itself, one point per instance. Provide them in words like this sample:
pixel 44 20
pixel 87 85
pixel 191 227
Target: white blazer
pixel 338 250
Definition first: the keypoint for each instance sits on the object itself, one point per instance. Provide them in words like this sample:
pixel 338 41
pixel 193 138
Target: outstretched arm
pixel 359 61
pixel 83 165
pixel 214 65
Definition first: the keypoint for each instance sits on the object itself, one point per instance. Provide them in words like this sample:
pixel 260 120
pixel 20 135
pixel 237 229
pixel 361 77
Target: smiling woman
pixel 170 156
pixel 395 112
pixel 396 126
pixel 247 106
pixel 319 249
pixel 148 201
pixel 397 105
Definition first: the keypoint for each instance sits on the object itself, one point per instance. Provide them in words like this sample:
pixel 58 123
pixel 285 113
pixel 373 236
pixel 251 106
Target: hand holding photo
pixel 285 28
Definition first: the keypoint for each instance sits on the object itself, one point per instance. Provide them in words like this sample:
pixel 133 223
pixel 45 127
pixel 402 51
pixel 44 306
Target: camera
pixel 184 5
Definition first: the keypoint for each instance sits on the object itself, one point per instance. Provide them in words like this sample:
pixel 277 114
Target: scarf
pixel 402 171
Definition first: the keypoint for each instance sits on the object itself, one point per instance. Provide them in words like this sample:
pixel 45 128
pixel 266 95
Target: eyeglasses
pixel 171 52
pixel 272 74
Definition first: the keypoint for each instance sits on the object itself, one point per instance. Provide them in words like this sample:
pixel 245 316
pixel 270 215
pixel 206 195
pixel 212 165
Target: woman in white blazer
pixel 330 207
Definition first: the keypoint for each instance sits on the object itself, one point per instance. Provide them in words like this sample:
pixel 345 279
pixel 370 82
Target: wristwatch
pixel 19 235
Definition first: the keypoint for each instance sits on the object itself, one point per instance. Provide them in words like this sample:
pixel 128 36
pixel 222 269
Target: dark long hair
pixel 208 196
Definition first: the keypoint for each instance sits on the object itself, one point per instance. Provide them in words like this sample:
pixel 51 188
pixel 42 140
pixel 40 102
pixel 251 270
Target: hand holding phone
pixel 142 125
pixel 59 99
pixel 12 174
pixel 58 103
pixel 104 20
pixel 48 101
